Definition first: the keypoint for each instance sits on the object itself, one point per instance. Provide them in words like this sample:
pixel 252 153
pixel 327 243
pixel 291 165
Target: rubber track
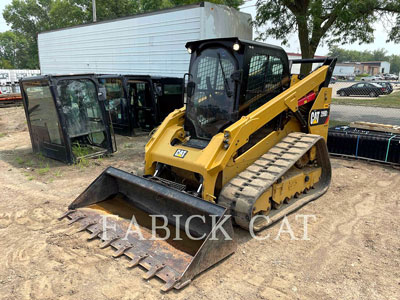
pixel 241 192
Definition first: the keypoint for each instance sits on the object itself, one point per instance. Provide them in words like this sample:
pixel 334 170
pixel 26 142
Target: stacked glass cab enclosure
pixel 139 103
pixel 65 117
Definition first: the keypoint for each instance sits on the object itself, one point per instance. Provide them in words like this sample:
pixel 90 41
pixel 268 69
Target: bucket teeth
pixel 135 261
pixel 153 271
pixel 64 215
pixel 76 219
pixel 179 286
pixel 122 250
pixel 168 286
pixel 95 234
pixel 107 243
pixel 86 226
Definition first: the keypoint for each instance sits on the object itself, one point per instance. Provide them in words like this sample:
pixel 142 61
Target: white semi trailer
pixel 146 44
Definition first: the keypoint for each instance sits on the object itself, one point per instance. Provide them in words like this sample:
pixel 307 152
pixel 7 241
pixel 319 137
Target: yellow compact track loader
pixel 249 144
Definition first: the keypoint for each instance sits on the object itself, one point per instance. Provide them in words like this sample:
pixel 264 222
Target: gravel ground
pixel 353 250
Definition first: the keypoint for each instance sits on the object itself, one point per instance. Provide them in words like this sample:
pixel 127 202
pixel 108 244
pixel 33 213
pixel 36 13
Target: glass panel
pixel 117 103
pixel 257 74
pixel 212 103
pixel 143 105
pixel 265 80
pixel 275 70
pixel 80 106
pixel 42 111
pixel 172 89
pixel 141 94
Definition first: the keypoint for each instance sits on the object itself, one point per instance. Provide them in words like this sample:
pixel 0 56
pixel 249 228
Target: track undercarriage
pixel 294 172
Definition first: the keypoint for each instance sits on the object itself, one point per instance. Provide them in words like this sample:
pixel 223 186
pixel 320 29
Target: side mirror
pixel 237 76
pixel 190 88
pixel 102 94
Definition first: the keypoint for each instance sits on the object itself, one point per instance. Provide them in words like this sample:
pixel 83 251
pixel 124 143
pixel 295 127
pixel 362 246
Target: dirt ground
pixel 353 251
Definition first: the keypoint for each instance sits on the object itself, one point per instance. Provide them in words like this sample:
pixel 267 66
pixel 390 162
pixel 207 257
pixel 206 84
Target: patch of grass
pixel 58 173
pixel 83 162
pixel 334 123
pixel 19 160
pixel 128 145
pixel 390 101
pixel 30 178
pixel 80 152
pixel 29 163
pixel 43 171
pixel 2 134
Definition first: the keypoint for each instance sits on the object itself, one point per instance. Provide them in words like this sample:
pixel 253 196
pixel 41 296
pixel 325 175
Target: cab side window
pixel 265 80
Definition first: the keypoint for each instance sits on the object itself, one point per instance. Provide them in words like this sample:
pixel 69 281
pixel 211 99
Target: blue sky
pixel 249 7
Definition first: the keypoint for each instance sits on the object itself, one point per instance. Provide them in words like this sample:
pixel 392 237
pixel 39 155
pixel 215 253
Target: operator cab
pixel 228 78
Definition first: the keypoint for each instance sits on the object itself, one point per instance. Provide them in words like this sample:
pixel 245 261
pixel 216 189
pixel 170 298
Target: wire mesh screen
pixel 367 99
pixel 212 74
pixel 265 75
pixel 257 74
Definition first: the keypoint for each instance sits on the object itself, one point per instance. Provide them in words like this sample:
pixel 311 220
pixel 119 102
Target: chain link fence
pixel 364 99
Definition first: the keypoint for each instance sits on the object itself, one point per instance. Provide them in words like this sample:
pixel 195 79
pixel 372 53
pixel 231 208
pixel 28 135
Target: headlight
pixel 236 46
pixel 189 50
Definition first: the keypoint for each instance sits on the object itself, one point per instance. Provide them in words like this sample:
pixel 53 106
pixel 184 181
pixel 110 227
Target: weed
pixel 44 170
pixel 19 160
pixel 128 145
pixel 58 173
pixel 83 162
pixel 2 134
pixel 80 153
pixel 30 178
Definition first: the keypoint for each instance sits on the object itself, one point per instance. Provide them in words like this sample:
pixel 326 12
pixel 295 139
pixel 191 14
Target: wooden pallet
pixel 376 126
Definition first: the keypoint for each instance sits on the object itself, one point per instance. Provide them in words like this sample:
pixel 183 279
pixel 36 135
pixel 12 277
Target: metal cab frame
pixel 40 139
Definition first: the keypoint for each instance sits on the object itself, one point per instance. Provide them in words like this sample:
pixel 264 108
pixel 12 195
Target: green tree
pixel 318 21
pixel 394 64
pixel 14 50
pixel 344 55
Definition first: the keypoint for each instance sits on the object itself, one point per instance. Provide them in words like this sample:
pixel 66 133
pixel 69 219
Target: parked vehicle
pixel 333 80
pixel 361 89
pixel 140 102
pixel 371 78
pixel 390 77
pixel 387 86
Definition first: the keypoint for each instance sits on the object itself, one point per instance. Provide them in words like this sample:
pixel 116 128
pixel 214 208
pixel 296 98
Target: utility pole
pixel 94 10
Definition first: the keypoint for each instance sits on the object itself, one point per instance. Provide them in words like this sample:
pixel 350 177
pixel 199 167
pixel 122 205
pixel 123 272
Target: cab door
pixel 142 101
pixel 43 120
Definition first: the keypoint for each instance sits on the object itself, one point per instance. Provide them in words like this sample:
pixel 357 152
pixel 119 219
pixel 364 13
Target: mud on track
pixel 353 251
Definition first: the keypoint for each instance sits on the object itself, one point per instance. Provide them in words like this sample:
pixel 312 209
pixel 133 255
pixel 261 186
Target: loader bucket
pixel 106 209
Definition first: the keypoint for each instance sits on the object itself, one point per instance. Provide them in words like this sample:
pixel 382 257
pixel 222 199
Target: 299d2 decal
pixel 319 117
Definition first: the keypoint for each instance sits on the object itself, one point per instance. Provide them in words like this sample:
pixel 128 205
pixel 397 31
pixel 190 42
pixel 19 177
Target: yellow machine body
pixel 215 159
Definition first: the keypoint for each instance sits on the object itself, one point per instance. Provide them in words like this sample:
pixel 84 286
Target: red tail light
pixel 383 89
